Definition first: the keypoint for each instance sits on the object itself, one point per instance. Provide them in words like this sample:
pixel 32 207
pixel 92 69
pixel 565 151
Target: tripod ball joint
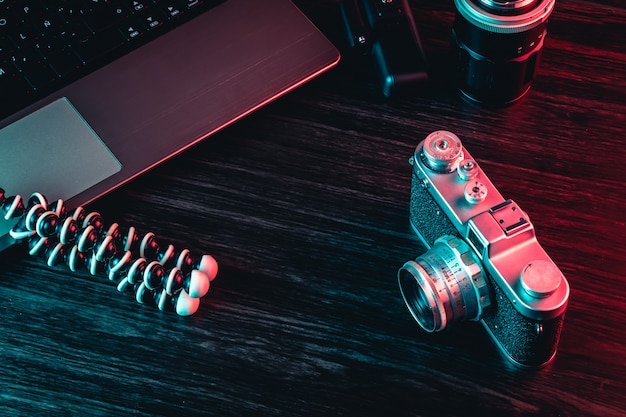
pixel 155 273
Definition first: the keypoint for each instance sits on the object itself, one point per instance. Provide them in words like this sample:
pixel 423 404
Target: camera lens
pixel 444 285
pixel 497 44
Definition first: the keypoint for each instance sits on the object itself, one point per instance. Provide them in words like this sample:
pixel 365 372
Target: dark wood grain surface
pixel 305 206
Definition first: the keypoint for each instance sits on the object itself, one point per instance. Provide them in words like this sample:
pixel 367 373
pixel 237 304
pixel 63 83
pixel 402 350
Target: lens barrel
pixel 497 45
pixel 444 285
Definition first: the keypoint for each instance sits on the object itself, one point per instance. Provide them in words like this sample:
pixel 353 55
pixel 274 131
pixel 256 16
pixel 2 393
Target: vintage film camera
pixel 484 262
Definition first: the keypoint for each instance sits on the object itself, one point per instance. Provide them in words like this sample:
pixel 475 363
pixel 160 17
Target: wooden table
pixel 305 206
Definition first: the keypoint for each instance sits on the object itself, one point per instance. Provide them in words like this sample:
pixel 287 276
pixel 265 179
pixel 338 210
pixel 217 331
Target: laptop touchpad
pixel 53 151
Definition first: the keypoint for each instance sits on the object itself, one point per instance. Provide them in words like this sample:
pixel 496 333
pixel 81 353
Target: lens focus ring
pixel 444 285
pixel 505 22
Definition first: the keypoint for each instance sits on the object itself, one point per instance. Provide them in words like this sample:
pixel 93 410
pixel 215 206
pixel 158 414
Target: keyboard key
pixel 6 48
pixel 171 8
pixel 76 34
pixel 11 83
pixel 47 24
pixel 8 22
pixel 193 3
pixel 150 18
pixel 26 58
pixel 29 10
pixel 9 74
pixel 48 46
pixel 68 12
pixel 98 45
pixel 24 36
pixel 64 63
pixel 132 30
pixel 105 18
pixel 40 77
pixel 58 55
pixel 138 5
pixel 33 68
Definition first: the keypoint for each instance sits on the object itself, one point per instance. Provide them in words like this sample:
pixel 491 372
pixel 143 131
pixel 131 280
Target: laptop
pixel 78 136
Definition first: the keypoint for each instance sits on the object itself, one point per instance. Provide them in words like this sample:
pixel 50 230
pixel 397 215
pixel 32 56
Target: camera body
pixel 484 262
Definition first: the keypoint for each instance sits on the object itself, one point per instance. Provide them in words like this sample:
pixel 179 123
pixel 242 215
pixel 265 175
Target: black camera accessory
pixel 483 261
pixel 497 44
pixel 157 274
pixel 385 30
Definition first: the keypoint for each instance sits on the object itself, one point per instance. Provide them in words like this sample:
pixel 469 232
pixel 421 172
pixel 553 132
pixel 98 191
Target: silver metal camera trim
pixel 505 249
pixel 505 23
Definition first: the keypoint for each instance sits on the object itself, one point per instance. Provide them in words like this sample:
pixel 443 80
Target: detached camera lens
pixel 498 43
pixel 444 285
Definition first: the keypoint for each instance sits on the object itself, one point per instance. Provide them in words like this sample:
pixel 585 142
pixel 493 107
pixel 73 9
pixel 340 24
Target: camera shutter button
pixel 540 278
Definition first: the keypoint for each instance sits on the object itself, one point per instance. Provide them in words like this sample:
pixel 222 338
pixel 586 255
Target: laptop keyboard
pixel 47 45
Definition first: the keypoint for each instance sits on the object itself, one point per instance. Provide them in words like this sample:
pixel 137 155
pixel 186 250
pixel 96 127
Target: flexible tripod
pixel 157 274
